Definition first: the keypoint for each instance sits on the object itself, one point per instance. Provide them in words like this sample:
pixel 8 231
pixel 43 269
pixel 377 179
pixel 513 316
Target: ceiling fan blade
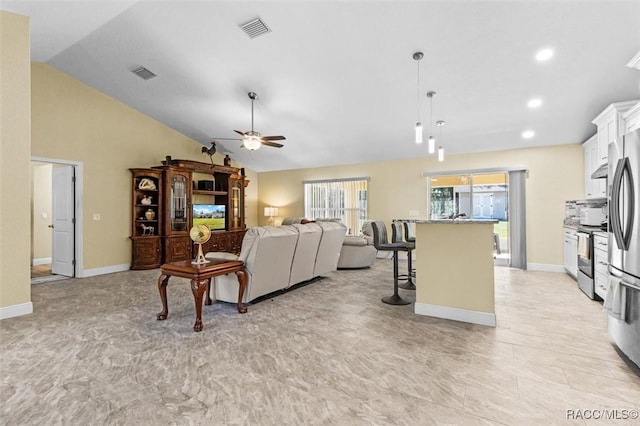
pixel 227 139
pixel 273 144
pixel 239 132
pixel 273 138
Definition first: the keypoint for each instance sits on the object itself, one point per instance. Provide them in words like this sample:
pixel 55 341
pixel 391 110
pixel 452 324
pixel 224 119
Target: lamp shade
pixel 271 211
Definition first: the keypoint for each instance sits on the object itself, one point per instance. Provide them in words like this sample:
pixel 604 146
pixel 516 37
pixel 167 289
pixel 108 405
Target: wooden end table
pixel 200 276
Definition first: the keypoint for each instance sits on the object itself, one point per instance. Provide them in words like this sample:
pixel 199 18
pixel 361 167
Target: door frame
pixel 77 202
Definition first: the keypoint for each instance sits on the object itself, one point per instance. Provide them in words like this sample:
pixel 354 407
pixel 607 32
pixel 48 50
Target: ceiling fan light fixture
pixel 252 143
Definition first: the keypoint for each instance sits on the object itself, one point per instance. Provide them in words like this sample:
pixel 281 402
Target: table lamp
pixel 270 212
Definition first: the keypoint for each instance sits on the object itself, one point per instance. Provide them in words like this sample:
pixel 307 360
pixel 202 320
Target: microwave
pixel 593 216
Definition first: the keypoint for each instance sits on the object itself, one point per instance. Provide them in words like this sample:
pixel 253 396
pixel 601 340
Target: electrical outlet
pixel 43 215
pixel 96 216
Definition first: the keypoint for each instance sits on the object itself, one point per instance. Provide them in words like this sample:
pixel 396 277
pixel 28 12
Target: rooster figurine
pixel 210 151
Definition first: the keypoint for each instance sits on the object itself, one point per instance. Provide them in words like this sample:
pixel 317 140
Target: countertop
pixel 459 221
pixel 585 228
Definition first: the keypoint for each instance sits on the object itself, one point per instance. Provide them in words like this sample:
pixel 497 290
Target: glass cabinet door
pixel 179 213
pixel 236 204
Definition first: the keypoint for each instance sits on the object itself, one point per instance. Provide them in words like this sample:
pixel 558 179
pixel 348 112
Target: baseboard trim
pixel 104 270
pixel 16 310
pixel 456 314
pixel 544 267
pixel 41 261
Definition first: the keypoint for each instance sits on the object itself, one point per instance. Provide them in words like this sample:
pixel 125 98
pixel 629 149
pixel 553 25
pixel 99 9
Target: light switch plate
pixel 96 216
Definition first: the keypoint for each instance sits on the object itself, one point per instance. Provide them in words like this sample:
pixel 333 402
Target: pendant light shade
pixel 417 56
pixel 418 132
pixel 432 144
pixel 432 140
pixel 440 124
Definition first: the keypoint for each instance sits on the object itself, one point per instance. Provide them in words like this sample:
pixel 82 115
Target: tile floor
pixel 326 353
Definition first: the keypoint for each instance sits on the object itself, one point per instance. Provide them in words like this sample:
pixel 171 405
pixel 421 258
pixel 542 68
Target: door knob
pixel 50 226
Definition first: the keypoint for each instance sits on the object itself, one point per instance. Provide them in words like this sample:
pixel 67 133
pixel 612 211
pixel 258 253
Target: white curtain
pixel 517 219
pixel 344 199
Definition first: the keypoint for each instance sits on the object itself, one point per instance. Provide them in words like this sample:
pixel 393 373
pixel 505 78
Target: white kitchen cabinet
pixel 600 264
pixel 632 118
pixel 610 126
pixel 571 251
pixel 593 188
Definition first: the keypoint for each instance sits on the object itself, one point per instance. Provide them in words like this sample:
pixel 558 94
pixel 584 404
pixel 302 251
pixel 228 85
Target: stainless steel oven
pixel 585 263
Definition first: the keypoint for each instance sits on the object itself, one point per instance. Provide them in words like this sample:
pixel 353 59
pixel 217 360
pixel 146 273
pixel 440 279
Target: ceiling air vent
pixel 143 73
pixel 255 27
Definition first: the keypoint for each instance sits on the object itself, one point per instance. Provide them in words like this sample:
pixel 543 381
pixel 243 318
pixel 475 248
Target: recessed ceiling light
pixel 534 103
pixel 544 54
pixel 528 134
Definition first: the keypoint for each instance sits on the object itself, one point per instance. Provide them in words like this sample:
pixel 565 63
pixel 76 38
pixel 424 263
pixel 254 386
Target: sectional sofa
pixel 277 258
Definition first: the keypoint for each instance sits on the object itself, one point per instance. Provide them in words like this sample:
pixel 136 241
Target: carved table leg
pixel 197 288
pixel 242 281
pixel 207 292
pixel 162 288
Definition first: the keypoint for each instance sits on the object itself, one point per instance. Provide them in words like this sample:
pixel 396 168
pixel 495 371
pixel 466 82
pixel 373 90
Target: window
pixel 474 195
pixel 344 199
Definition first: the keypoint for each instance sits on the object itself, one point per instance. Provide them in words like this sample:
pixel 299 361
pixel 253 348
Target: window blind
pixel 344 199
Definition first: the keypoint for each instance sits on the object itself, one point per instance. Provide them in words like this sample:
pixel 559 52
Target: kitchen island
pixel 454 270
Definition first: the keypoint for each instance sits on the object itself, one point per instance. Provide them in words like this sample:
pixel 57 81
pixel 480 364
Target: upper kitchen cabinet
pixel 611 125
pixel 593 188
pixel 632 118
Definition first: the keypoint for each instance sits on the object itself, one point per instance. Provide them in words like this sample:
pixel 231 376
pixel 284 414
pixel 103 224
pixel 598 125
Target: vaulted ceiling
pixel 337 78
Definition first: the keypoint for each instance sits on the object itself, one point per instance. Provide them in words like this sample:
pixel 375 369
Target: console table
pixel 200 276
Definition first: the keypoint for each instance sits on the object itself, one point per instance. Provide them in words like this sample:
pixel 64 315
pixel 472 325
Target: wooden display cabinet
pixel 162 235
pixel 176 243
pixel 146 218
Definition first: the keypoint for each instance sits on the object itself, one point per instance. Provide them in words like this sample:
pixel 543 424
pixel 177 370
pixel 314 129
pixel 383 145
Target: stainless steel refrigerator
pixel 624 243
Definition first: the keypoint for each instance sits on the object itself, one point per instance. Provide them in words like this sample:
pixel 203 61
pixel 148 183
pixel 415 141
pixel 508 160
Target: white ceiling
pixel 338 79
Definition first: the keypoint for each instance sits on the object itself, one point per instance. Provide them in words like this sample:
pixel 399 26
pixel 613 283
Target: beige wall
pixel 15 193
pixel 397 186
pixel 41 234
pixel 74 122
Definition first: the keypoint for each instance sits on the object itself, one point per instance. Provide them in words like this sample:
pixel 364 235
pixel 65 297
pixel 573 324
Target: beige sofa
pixel 277 258
pixel 357 252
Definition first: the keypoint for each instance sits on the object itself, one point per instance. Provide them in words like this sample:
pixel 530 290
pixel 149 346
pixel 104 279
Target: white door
pixel 63 221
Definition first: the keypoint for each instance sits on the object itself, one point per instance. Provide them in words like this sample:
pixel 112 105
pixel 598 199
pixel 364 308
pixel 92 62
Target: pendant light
pixel 417 56
pixel 440 124
pixel 432 140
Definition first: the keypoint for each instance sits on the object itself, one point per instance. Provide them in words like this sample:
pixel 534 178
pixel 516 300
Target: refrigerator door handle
pixel 630 202
pixel 614 205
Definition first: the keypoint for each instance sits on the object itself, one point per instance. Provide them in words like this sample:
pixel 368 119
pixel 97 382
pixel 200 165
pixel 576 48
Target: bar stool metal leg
pixel 395 299
pixel 409 285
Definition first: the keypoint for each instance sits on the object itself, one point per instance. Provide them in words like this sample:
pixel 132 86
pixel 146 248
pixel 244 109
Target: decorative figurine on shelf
pixel 227 160
pixel 150 214
pixel 148 184
pixel 147 230
pixel 210 151
pixel 146 200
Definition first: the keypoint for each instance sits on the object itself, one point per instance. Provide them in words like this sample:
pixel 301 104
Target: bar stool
pixel 396 237
pixel 381 242
pixel 408 233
